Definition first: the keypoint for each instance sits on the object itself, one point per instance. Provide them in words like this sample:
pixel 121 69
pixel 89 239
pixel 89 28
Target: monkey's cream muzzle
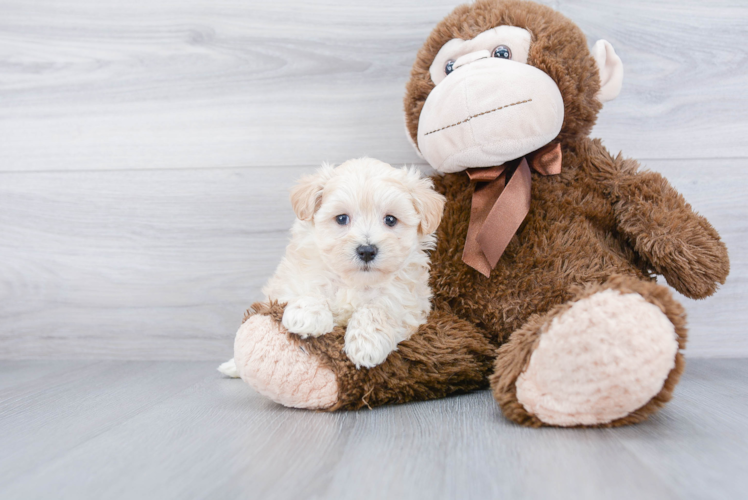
pixel 488 111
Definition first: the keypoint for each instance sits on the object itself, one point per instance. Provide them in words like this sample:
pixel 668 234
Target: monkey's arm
pixel 679 244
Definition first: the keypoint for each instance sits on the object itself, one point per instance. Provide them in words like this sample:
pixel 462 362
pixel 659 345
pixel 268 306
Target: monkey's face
pixel 489 106
pixel 498 79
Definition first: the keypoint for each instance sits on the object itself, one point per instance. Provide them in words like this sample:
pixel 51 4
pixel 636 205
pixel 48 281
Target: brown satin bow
pixel 498 208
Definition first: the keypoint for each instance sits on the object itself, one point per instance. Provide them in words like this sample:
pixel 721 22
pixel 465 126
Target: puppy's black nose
pixel 366 252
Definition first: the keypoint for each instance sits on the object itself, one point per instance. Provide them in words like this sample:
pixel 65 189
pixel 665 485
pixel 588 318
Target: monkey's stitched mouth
pixel 476 116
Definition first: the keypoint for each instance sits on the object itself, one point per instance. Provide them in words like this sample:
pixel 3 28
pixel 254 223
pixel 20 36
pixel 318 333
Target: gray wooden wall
pixel 146 150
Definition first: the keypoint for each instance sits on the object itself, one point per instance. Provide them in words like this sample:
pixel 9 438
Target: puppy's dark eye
pixel 342 219
pixel 449 67
pixel 390 220
pixel 502 52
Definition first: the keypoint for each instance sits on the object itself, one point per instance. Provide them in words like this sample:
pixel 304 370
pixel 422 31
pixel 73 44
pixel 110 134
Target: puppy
pixel 358 256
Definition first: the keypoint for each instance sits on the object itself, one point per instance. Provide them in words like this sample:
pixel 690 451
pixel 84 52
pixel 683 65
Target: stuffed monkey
pixel 544 272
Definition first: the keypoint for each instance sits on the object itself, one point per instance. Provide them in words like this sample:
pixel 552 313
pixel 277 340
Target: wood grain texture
pixel 177 430
pixel 91 85
pixel 685 75
pixel 83 401
pixel 136 264
pixel 147 149
pixel 173 84
pixel 161 264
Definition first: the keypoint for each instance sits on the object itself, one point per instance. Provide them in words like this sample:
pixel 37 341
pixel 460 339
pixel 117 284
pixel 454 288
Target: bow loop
pixel 546 160
pixel 498 208
pixel 487 174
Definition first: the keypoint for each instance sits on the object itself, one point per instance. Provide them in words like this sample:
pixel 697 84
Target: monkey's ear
pixel 306 195
pixel 611 70
pixel 412 142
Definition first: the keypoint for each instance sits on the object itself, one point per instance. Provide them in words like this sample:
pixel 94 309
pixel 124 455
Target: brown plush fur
pixel 600 224
pixel 446 356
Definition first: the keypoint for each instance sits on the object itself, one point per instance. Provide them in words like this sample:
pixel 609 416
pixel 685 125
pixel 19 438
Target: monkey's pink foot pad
pixel 279 369
pixel 603 358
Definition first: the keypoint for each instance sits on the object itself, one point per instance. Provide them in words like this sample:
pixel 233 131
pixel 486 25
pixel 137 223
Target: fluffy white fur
pixel 323 280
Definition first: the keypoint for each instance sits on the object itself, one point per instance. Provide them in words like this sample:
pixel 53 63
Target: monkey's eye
pixel 449 67
pixel 342 219
pixel 390 220
pixel 502 52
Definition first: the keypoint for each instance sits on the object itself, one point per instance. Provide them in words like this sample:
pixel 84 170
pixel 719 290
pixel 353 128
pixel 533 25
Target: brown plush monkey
pixel 543 276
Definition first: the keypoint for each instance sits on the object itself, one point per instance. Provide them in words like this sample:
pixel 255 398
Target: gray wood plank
pixel 161 264
pixel 709 408
pixel 55 414
pixel 136 85
pixel 180 85
pixel 685 75
pixel 475 453
pixel 144 264
pixel 19 376
pixel 216 438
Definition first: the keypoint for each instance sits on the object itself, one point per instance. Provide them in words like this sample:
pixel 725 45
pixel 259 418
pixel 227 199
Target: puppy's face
pixel 368 217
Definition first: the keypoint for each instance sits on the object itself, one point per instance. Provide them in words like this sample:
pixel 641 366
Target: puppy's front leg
pixel 371 336
pixel 308 316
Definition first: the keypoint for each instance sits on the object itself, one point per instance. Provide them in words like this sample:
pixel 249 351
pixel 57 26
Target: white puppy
pixel 358 256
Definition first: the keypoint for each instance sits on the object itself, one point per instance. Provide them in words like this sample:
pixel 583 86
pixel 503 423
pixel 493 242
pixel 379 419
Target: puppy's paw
pixel 364 350
pixel 308 316
pixel 368 340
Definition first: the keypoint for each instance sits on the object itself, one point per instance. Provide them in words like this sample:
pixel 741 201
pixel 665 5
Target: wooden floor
pixel 145 429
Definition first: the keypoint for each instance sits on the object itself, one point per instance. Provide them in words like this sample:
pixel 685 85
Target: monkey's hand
pixel 678 243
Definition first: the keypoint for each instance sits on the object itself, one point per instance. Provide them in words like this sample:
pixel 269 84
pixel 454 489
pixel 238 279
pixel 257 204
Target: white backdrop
pixel 146 150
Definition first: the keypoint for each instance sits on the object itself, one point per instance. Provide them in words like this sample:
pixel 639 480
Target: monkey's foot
pixel 608 358
pixel 278 368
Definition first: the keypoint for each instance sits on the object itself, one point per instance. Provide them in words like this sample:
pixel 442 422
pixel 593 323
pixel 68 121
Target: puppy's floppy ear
pixel 428 203
pixel 306 195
